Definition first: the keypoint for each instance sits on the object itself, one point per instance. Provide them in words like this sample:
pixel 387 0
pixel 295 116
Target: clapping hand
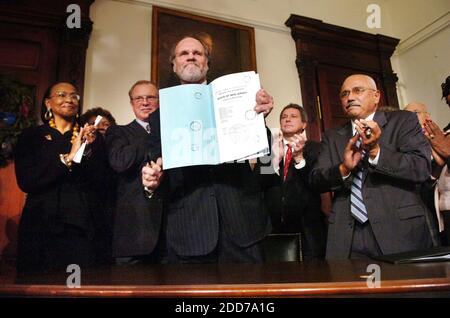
pixel 352 156
pixel 297 143
pixel 370 133
pixel 88 133
pixel 440 142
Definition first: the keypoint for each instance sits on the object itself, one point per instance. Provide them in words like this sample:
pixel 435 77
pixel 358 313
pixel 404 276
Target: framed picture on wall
pixel 232 46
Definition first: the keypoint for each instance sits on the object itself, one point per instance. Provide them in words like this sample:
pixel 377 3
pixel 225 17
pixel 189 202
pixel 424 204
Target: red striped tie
pixel 287 161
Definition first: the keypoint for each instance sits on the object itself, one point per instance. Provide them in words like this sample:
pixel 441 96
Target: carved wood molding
pixel 63 52
pixel 321 44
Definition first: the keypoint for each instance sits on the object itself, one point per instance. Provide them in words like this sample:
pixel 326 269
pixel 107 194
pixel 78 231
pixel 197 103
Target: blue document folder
pixel 210 124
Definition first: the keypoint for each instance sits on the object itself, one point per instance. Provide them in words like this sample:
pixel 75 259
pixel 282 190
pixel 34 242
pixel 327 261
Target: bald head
pixel 420 109
pixel 359 96
pixel 369 81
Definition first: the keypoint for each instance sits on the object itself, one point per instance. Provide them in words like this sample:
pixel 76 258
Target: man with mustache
pixel 374 165
pixel 214 213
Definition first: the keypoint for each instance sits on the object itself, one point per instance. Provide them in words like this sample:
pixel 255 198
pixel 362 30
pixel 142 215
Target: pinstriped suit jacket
pixel 399 219
pixel 137 220
pixel 202 198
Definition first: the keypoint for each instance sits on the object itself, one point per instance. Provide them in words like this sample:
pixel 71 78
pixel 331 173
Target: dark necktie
pixel 287 161
pixel 357 206
pixel 147 127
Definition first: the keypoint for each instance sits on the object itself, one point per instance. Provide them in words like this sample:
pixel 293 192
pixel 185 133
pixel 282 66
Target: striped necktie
pixel 357 206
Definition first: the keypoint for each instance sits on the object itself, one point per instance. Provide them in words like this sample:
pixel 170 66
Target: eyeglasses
pixel 140 99
pixel 64 95
pixel 358 90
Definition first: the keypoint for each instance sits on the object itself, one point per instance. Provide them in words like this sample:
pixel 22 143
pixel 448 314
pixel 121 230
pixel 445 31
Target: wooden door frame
pixel 61 52
pixel 315 42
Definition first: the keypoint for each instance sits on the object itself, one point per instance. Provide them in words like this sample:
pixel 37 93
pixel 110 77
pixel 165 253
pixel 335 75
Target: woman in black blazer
pixel 62 209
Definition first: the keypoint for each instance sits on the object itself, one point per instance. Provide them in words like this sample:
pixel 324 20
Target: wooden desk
pixel 308 279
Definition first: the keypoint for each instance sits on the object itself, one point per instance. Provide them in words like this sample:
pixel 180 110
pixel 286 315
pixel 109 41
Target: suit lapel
pixel 137 129
pixel 380 119
pixel 281 169
pixel 343 135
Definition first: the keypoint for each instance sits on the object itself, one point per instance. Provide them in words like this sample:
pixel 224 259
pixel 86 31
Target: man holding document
pixel 215 212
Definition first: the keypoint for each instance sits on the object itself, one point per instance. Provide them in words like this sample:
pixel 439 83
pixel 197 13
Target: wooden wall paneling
pixel 11 204
pixel 29 56
pixel 27 25
pixel 37 48
pixel 326 54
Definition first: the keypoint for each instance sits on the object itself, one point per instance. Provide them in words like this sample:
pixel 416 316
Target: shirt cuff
pixel 374 162
pixel 301 164
pixel 277 170
pixel 346 177
pixel 148 193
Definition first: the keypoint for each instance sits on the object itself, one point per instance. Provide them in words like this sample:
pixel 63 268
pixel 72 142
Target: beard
pixel 192 73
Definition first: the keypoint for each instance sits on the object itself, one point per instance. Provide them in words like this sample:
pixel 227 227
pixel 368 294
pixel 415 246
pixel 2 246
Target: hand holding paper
pixel 79 154
pixel 215 123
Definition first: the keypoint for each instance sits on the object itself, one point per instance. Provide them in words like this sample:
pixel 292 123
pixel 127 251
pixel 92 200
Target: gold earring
pixel 48 114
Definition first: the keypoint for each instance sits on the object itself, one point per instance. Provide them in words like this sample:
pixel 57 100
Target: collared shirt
pixel 144 124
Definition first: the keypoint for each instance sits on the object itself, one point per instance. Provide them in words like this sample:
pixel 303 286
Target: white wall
pixel 119 50
pixel 422 57
pixel 423 69
pixel 406 17
pixel 118 55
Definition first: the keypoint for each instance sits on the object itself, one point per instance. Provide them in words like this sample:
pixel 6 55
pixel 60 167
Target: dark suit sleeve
pixel 325 175
pixel 310 154
pixel 37 166
pixel 95 166
pixel 125 150
pixel 408 156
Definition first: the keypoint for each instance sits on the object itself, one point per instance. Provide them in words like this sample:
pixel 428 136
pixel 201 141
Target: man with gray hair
pixel 215 213
pixel 373 165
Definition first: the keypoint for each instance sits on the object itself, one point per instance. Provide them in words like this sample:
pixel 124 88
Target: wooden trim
pixel 423 34
pixel 319 44
pixel 158 11
pixel 270 279
pixel 233 290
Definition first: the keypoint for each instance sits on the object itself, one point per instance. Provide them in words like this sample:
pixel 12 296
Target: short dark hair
pixel 446 87
pixel 299 108
pixel 196 37
pixel 47 96
pixel 95 112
